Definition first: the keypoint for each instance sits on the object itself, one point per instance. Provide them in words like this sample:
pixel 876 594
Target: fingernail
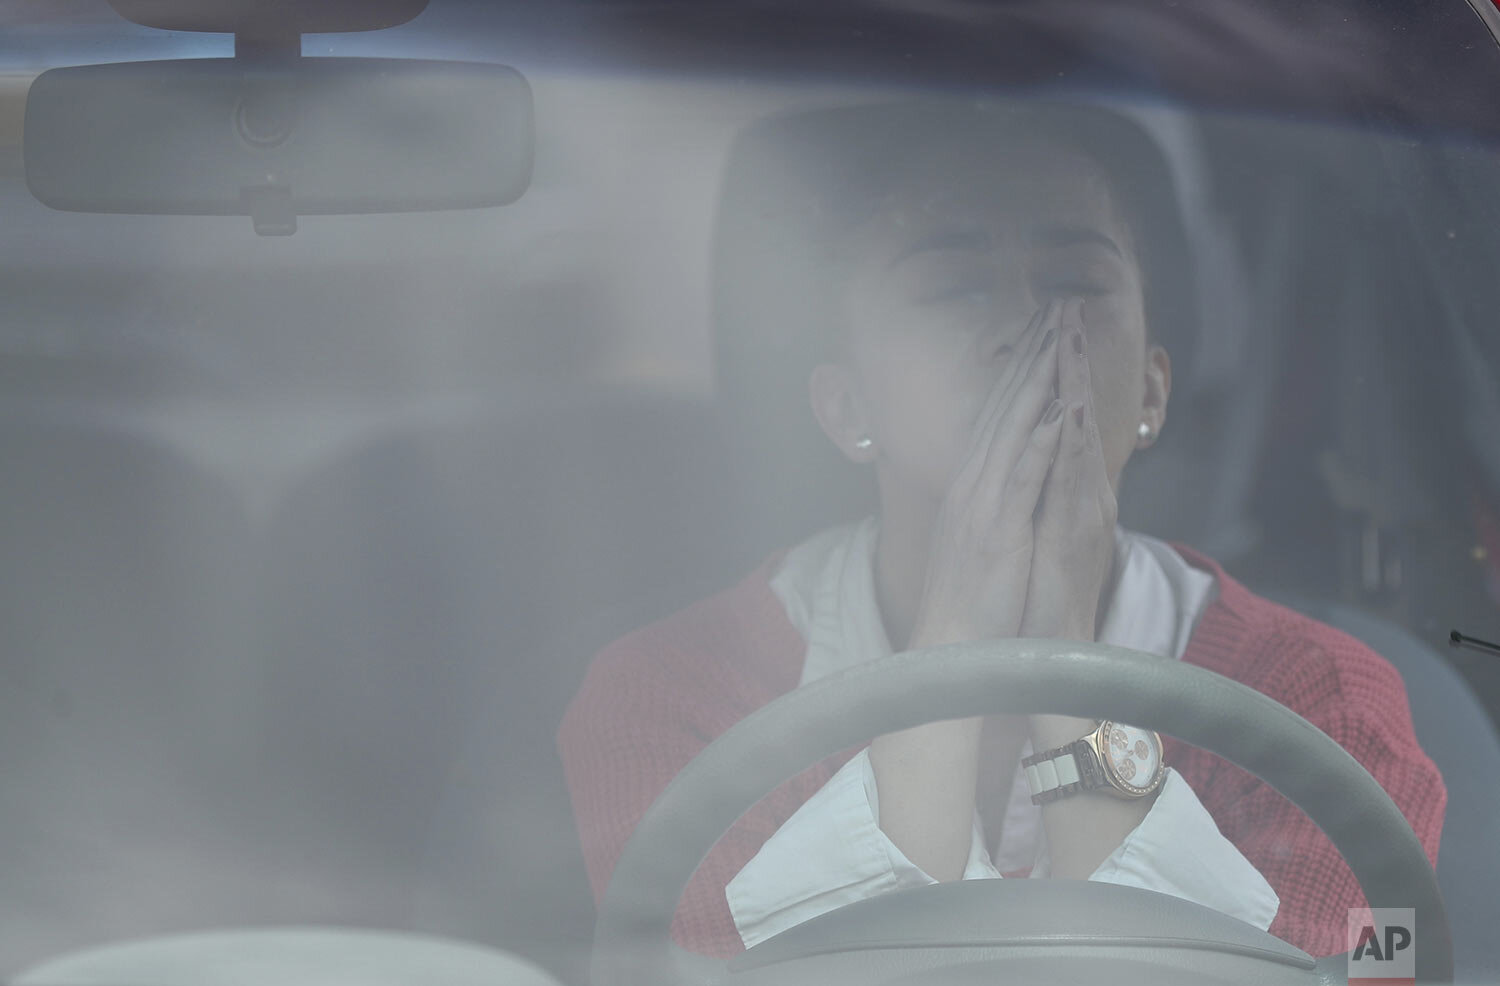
pixel 1078 414
pixel 1053 412
pixel 1049 339
pixel 1078 343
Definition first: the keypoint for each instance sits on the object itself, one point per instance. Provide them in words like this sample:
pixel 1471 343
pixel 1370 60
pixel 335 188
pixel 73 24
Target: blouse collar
pixel 827 586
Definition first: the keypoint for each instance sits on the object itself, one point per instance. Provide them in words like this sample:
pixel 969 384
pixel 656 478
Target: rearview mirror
pixel 275 140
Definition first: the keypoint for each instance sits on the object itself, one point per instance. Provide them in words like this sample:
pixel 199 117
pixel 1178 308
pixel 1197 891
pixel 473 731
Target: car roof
pixel 1412 65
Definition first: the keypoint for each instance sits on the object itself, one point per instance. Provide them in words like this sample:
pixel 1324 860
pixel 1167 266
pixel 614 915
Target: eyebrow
pixel 979 241
pixel 951 238
pixel 1057 237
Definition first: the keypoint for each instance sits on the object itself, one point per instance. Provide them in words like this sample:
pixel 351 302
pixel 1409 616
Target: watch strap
pixel 1060 772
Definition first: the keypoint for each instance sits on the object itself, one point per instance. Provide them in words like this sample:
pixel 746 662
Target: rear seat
pixel 430 603
pixel 345 715
pixel 122 704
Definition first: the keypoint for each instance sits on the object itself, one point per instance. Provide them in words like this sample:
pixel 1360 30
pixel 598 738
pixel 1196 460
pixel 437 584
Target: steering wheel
pixel 1013 930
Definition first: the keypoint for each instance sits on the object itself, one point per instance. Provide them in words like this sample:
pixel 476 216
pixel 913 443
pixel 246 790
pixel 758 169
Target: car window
pixel 311 540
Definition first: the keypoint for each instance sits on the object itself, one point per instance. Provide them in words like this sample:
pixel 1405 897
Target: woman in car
pixel 993 294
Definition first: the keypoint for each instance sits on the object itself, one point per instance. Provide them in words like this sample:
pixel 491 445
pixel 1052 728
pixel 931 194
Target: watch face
pixel 1132 757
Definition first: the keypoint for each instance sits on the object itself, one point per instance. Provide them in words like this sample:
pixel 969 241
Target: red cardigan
pixel 656 697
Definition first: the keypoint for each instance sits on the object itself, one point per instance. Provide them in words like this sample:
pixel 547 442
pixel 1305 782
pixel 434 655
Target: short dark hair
pixel 796 184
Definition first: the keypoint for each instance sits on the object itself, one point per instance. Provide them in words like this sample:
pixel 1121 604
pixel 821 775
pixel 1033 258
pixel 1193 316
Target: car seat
pixel 122 701
pixel 431 602
pixel 1456 733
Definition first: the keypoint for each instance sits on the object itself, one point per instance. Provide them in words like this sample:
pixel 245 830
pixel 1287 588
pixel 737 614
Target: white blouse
pixel 832 851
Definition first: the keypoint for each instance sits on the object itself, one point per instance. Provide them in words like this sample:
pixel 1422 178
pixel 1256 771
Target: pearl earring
pixel 1145 434
pixel 865 444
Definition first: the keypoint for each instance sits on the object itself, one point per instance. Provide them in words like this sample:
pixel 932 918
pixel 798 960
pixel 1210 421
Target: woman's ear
pixel 836 404
pixel 1158 390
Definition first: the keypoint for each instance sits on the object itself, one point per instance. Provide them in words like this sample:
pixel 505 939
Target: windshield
pixel 311 540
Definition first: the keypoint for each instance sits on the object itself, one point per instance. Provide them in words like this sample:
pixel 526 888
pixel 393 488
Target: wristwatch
pixel 1118 759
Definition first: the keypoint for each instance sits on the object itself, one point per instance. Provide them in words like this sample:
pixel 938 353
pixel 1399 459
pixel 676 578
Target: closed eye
pixel 1072 289
pixel 977 289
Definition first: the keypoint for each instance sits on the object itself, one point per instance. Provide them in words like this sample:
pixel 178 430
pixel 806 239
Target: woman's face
pixel 945 277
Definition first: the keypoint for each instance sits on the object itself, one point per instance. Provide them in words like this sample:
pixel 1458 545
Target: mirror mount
pixel 270 209
pixel 266 115
pixel 267 48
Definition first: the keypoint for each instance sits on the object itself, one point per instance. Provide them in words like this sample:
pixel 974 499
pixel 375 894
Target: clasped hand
pixel 1024 538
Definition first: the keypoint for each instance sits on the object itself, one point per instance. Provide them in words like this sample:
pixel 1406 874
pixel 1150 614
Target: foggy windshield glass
pixel 311 542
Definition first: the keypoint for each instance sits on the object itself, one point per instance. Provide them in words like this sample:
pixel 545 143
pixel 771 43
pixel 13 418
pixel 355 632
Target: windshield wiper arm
pixel 1456 638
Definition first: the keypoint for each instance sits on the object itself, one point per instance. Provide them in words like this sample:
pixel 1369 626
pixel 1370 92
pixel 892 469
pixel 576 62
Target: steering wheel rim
pixel 1017 676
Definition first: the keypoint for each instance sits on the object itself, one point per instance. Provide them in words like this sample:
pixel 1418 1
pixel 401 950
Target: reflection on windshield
pixel 312 542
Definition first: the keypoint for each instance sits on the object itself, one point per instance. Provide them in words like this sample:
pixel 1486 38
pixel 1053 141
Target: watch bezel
pixel 1116 783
